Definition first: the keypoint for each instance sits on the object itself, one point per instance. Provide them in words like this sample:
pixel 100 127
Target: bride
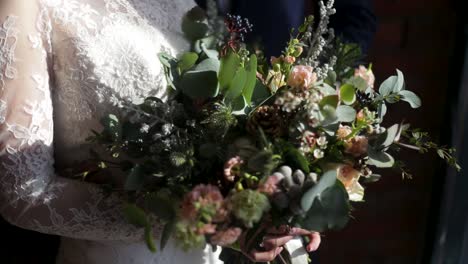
pixel 62 64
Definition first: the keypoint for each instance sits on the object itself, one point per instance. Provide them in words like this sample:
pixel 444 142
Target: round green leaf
pixel 187 60
pixel 348 94
pixel 327 180
pixel 411 98
pixel 345 113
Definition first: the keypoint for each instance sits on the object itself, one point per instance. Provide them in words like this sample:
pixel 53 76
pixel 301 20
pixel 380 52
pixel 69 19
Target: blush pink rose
pixel 302 77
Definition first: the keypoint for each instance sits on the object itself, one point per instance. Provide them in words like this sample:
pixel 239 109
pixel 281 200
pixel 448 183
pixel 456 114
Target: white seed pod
pixel 286 171
pixel 299 177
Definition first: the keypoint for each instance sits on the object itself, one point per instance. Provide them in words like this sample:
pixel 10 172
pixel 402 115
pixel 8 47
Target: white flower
pixel 318 153
pixel 322 141
pixel 144 128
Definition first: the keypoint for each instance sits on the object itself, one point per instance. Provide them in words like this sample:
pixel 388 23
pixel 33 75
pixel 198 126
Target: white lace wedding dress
pixel 61 62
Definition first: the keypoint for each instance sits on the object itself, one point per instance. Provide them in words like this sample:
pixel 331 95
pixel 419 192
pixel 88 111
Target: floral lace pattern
pixel 58 70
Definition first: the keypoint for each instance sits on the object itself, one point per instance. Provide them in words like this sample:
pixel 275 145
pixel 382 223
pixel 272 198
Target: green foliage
pixel 187 61
pixel 296 159
pixel 329 211
pixel 249 206
pixel 228 69
pixel 187 237
pixel 393 90
pixel 348 94
pixel 135 215
pixel 202 81
pixel 236 86
pixel 327 180
pixel 251 81
pixel 345 114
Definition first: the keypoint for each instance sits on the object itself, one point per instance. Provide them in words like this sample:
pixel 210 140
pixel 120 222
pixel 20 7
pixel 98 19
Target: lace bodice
pixel 62 64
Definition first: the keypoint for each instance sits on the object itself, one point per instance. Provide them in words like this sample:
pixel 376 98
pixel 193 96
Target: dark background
pixel 401 220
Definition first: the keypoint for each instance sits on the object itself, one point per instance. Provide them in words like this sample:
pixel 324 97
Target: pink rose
pixel 365 74
pixel 302 77
pixel 226 237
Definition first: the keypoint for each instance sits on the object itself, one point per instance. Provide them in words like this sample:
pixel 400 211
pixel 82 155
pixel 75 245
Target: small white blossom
pixel 322 141
pixel 318 153
pixel 167 129
pixel 144 128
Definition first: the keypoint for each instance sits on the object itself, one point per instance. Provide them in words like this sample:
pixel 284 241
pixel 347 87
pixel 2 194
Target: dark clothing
pixel 354 22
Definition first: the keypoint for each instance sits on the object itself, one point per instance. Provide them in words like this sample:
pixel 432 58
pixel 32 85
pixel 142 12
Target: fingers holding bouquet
pixel 272 241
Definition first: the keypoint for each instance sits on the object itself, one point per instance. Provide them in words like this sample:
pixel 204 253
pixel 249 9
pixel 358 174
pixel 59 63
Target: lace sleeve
pixel 31 195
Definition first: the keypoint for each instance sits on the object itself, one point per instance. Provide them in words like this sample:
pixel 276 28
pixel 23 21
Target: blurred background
pixel 422 220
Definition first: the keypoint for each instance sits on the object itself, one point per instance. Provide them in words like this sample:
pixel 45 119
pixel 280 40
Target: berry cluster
pixel 365 100
pixel 237 28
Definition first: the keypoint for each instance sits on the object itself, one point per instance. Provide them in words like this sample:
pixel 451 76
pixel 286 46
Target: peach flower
pixel 302 77
pixel 343 132
pixel 350 179
pixel 357 146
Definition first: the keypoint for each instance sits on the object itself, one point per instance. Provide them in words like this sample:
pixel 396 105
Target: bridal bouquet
pixel 243 142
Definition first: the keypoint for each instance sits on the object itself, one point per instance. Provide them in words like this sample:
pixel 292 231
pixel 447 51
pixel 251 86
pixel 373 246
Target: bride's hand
pixel 273 243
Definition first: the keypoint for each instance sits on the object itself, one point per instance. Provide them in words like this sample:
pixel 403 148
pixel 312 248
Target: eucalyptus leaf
pixel 167 232
pixel 391 134
pixel 135 215
pixel 372 178
pixel 229 65
pixel 187 60
pixel 411 98
pixel 201 82
pixel 210 53
pixel 346 113
pixel 251 81
pixel 400 82
pixel 149 239
pixel 236 86
pixel 330 211
pixel 260 93
pixel 239 105
pixel 331 100
pixel 327 180
pixel 326 89
pixel 380 159
pixel 388 86
pixel 382 111
pixel 348 94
